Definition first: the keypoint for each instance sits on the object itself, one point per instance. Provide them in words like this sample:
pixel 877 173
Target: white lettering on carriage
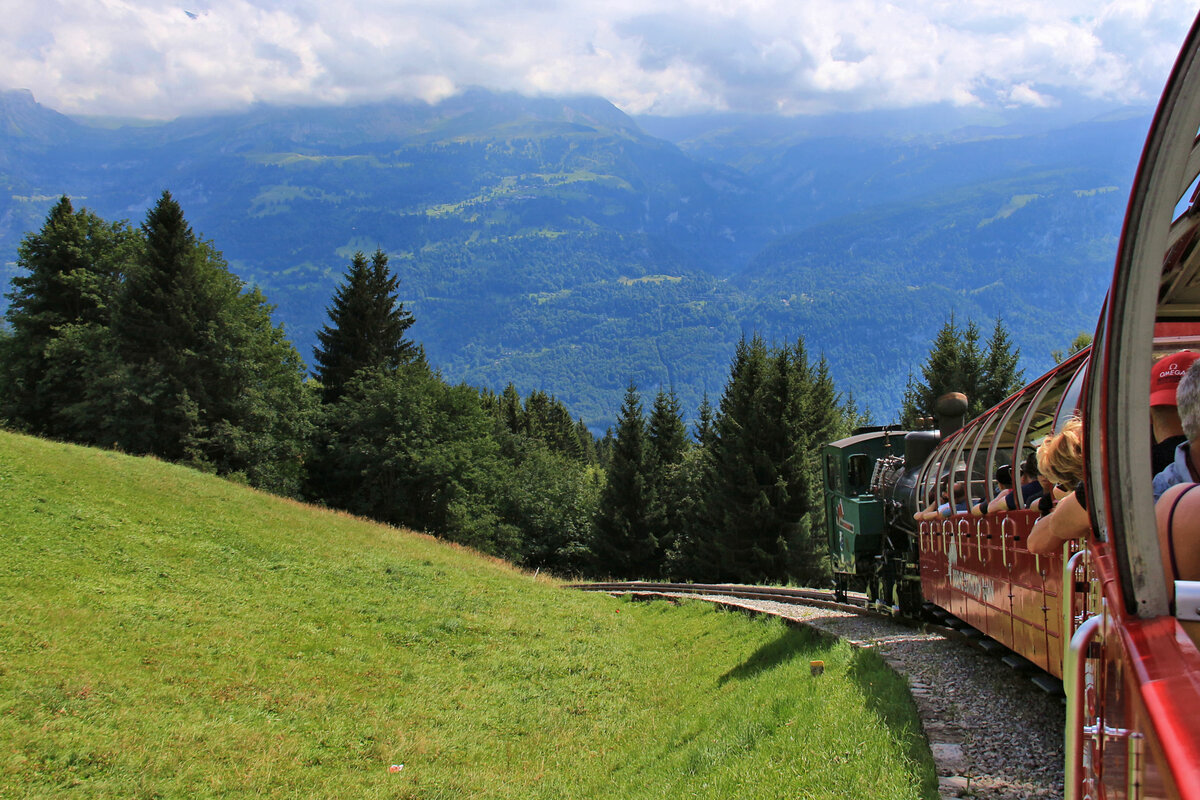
pixel 980 587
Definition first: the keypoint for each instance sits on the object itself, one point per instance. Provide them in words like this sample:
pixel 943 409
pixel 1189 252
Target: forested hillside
pixel 142 340
pixel 553 244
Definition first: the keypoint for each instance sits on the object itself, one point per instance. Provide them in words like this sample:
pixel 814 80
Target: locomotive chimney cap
pixel 951 404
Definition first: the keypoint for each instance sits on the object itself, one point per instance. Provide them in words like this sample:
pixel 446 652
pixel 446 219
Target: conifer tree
pixel 759 477
pixel 546 419
pixel 202 375
pixel 667 435
pixel 705 429
pixel 587 443
pixel 59 313
pixel 367 325
pixel 1001 375
pixel 827 419
pixel 624 545
pixel 667 444
pixel 692 554
pixel 511 411
pixel 168 332
pixel 957 364
pixel 746 544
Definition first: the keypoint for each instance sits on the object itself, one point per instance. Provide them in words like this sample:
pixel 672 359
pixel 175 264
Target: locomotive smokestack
pixel 951 411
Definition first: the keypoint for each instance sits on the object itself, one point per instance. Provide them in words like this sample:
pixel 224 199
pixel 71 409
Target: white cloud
pixel 138 57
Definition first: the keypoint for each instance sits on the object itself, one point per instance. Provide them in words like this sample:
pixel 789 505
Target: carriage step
pixel 1019 663
pixel 1048 684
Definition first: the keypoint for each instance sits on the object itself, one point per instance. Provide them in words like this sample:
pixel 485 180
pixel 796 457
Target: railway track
pixel 778 594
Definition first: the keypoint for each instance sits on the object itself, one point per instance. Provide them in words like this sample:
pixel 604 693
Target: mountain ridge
pixel 554 243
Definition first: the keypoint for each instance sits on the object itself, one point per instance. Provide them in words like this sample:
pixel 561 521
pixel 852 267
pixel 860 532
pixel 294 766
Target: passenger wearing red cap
pixel 1164 416
pixel 1185 468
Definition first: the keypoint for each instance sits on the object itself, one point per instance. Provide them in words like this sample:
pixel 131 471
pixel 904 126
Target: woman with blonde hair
pixel 1060 457
pixel 1060 460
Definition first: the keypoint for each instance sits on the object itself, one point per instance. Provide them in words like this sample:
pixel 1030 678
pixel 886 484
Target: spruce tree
pixel 667 444
pixel 202 375
pixel 59 314
pixel 624 545
pixel 692 555
pixel 168 331
pixel 511 410
pixel 705 429
pixel 587 443
pixel 826 419
pixel 760 519
pixel 956 363
pixel 745 542
pixel 367 326
pixel 1001 375
pixel 666 433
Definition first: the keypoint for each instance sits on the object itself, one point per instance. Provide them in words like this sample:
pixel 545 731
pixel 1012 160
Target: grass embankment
pixel 168 634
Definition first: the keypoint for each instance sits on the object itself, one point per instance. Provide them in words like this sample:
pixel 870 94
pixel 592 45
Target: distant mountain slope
pixel 553 243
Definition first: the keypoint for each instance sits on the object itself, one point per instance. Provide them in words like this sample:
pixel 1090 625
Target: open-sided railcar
pixel 1101 614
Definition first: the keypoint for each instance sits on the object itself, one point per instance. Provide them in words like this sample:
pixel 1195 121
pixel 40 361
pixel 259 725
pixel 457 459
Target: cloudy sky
pixel 153 59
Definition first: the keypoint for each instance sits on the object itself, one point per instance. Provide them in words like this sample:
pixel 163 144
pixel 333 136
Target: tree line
pixel 957 362
pixel 142 340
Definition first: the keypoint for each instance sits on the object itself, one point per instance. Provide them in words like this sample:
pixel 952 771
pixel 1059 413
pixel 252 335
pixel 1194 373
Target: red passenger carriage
pixel 1100 614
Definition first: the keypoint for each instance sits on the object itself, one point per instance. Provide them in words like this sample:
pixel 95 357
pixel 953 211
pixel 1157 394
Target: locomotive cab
pixel 854 517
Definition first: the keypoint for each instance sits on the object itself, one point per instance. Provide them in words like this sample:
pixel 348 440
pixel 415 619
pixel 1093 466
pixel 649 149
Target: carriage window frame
pixel 1010 423
pixel 958 445
pixel 985 445
pixel 1074 394
pixel 931 476
pixel 1048 403
pixel 1022 441
pixel 858 463
pixel 833 473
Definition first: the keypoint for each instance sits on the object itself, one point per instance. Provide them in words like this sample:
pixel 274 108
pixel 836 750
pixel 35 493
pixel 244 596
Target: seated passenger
pixel 938 511
pixel 930 512
pixel 1031 489
pixel 1004 481
pixel 1165 424
pixel 1060 460
pixel 1178 516
pixel 1031 492
pixel 1186 466
pixel 960 506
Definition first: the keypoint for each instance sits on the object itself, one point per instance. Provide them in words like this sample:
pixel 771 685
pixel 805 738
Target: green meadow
pixel 167 634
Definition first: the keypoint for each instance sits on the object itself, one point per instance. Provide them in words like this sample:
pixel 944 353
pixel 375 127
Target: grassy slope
pixel 167 634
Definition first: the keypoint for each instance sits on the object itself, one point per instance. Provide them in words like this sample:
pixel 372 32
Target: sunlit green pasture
pixel 166 634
